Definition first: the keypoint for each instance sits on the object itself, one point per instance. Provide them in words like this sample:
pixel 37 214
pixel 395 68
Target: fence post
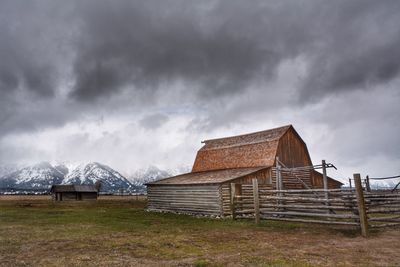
pixel 279 183
pixel 256 201
pixel 278 175
pixel 233 194
pixel 324 176
pixel 367 185
pixel 326 187
pixel 361 205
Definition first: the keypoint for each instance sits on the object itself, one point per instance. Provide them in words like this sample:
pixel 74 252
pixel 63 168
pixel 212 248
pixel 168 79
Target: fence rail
pixel 355 207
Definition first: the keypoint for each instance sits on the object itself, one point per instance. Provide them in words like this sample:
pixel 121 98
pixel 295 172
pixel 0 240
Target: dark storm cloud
pixel 216 49
pixel 24 63
pixel 30 55
pixel 358 46
pixel 146 44
pixel 227 65
pixel 222 47
pixel 19 69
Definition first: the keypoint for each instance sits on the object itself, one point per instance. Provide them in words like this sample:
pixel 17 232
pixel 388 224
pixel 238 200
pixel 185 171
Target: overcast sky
pixel 138 83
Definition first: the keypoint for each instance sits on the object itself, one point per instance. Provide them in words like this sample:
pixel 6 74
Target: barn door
pixel 238 189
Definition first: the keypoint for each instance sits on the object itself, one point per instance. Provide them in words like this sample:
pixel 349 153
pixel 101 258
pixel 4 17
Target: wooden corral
pixel 365 209
pixel 237 159
pixel 73 192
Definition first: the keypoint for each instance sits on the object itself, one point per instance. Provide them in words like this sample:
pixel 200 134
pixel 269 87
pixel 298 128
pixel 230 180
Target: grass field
pixel 119 232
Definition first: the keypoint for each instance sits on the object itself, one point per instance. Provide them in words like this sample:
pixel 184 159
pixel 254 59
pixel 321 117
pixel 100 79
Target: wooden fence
pixel 354 207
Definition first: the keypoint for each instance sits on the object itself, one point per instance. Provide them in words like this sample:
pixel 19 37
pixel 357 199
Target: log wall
pixel 66 196
pixel 88 196
pixel 215 199
pixel 191 199
pixel 71 196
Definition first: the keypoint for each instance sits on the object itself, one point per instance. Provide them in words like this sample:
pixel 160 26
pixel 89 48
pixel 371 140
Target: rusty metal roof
pixel 249 150
pixel 207 177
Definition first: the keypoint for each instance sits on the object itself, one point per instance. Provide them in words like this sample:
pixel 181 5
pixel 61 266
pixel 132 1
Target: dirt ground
pixel 116 232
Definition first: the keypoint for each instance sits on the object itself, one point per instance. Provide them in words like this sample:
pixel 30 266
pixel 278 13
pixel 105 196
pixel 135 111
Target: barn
pixel 73 192
pixel 237 159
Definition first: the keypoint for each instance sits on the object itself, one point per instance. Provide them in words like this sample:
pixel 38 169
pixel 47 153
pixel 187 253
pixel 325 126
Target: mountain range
pixel 41 176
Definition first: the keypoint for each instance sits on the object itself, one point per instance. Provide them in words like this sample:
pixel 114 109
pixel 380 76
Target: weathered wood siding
pixel 292 151
pixel 244 186
pixel 318 182
pixel 66 196
pixel 88 196
pixel 196 199
pixel 226 199
pixel 73 196
pixel 291 179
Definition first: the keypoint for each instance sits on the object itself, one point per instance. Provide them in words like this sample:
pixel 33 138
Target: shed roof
pixel 248 150
pixel 320 175
pixel 207 177
pixel 73 188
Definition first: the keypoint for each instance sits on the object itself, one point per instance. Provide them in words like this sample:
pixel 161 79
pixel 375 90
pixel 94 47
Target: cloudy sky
pixel 139 83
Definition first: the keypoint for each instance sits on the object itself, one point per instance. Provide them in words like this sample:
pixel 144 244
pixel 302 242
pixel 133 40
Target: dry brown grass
pixel 24 197
pixel 48 197
pixel 121 233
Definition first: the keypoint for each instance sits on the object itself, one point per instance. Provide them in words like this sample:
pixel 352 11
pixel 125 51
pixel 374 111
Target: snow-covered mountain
pixel 147 175
pixel 92 172
pixel 38 176
pixel 8 168
pixel 142 176
pixel 44 175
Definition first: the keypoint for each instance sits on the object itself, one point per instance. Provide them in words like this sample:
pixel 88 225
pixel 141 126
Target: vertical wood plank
pixel 233 194
pixel 221 201
pixel 361 205
pixel 256 201
pixel 325 180
pixel 278 180
pixel 367 185
pixel 277 174
pixel 325 177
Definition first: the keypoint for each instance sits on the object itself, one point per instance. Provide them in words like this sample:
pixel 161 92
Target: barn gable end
pixel 292 150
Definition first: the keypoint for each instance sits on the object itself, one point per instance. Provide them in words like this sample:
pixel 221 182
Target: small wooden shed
pixel 236 159
pixel 317 181
pixel 73 192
